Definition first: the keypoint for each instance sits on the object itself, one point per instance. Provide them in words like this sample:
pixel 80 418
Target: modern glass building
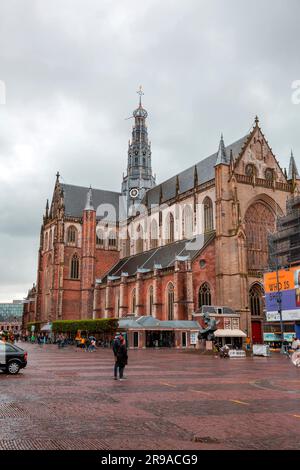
pixel 10 312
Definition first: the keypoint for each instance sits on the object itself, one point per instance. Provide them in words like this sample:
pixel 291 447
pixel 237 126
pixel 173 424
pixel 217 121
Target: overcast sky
pixel 71 70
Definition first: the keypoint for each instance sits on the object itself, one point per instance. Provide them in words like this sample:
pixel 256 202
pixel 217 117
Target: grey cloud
pixel 72 67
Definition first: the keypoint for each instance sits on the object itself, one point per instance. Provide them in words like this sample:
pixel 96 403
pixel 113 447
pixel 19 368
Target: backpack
pixel 116 346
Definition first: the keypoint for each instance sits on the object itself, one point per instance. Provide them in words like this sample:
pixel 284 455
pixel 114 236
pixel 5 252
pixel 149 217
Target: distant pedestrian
pixel 92 346
pixel 122 357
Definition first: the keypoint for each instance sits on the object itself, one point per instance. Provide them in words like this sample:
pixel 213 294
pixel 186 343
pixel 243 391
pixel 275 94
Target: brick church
pixel 163 251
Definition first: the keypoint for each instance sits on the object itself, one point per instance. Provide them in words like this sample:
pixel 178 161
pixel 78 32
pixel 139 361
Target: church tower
pixel 139 176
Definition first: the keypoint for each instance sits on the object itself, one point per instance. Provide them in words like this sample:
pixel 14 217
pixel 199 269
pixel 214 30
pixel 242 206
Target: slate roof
pixel 75 200
pixel 148 322
pixel 205 172
pixel 164 256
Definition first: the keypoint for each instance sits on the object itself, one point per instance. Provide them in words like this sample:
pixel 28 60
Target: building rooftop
pixel 164 256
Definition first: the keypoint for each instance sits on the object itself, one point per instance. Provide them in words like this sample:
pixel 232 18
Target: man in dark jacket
pixel 122 357
pixel 115 347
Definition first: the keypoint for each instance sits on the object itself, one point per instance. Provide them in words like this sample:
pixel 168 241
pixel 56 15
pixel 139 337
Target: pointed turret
pixel 177 185
pixel 47 209
pixel 89 201
pixel 195 176
pixel 293 171
pixel 221 156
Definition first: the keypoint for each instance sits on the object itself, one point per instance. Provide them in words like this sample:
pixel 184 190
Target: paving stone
pixel 67 399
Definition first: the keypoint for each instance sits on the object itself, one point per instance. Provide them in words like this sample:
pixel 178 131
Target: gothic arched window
pixel 99 238
pixel 50 240
pixel 48 282
pixel 139 240
pixel 170 301
pixel 259 223
pixel 72 235
pixel 46 242
pixel 208 215
pixel 269 174
pixel 187 222
pixel 153 234
pixel 133 301
pixel 250 170
pixel 204 295
pixel 256 293
pixel 151 301
pixel 75 267
pixel 170 228
pixel 112 240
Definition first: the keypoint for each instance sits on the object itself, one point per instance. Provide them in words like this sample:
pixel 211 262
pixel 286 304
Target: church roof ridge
pixel 88 187
pixel 205 170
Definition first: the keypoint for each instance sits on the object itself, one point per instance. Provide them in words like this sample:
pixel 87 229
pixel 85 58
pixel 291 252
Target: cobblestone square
pixel 67 399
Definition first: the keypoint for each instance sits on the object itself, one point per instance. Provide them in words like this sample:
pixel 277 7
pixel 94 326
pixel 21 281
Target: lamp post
pixel 279 307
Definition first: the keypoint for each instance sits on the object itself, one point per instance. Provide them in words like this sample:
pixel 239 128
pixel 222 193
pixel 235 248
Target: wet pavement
pixel 67 399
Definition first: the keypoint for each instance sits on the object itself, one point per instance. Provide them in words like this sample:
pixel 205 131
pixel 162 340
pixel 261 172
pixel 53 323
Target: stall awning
pixel 230 334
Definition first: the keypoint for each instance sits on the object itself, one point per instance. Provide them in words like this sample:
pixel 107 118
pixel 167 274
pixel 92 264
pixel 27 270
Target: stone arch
pixel 208 215
pixel 72 235
pixel 260 222
pixel 256 299
pixel 74 269
pixel 133 300
pixel 112 239
pixel 170 227
pixel 139 246
pixel 170 301
pixel 151 299
pixel 187 221
pixel 204 295
pixel 153 234
pixel 99 237
pixel 268 201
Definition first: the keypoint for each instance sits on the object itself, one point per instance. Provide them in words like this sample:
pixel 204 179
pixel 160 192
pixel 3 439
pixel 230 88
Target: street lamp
pixel 279 307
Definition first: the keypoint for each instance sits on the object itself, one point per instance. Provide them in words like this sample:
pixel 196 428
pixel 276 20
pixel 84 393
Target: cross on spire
pixel 140 92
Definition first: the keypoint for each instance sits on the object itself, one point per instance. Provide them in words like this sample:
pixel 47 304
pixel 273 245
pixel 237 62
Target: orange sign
pixel 285 280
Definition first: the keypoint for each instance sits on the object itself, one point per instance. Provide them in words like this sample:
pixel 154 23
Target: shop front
pixel 274 339
pixel 233 338
pixel 149 332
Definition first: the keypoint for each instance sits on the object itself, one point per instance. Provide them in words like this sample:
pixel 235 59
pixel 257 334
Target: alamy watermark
pixel 295 98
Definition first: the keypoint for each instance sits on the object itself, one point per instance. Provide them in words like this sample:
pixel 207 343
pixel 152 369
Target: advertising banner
pixel 287 289
pixel 277 337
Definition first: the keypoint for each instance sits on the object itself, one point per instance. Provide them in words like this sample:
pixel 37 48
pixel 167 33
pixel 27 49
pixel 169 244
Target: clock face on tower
pixel 134 192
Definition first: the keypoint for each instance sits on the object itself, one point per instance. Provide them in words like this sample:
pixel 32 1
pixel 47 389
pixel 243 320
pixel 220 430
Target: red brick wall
pixel 105 260
pixel 206 274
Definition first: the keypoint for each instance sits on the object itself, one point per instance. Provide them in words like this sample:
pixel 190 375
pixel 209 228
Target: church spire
pixel 139 176
pixel 221 156
pixel 293 171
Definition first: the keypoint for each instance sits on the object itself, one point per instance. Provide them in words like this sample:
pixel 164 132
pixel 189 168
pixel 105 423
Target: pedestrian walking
pixel 122 357
pixel 115 346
